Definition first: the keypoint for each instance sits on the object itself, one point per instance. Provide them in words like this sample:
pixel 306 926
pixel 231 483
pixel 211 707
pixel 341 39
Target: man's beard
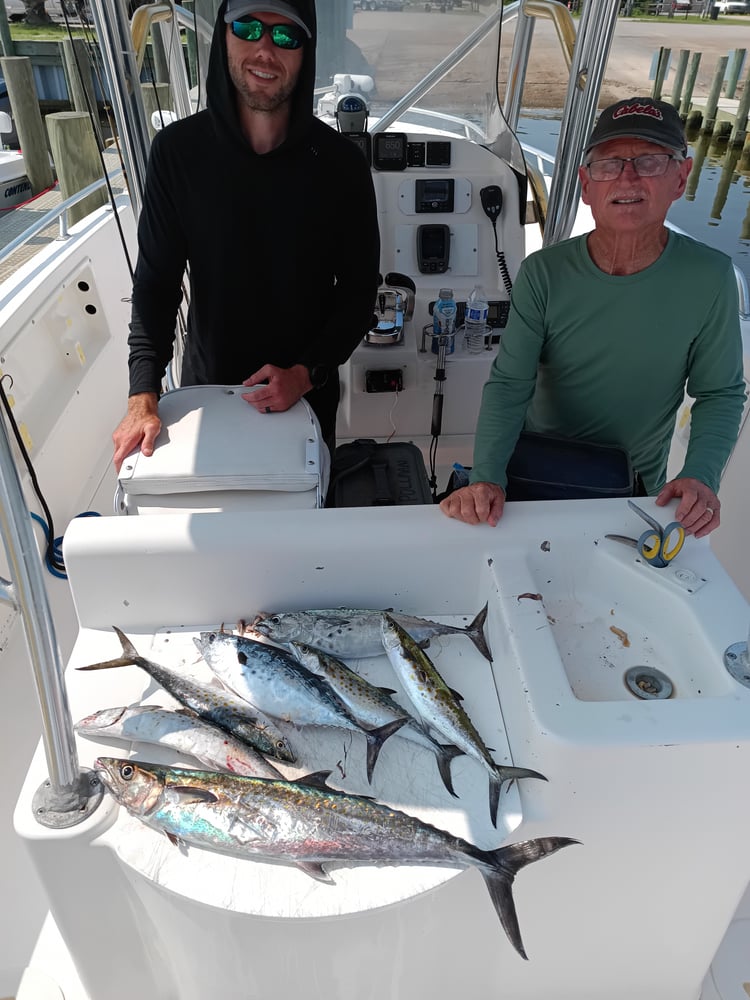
pixel 264 102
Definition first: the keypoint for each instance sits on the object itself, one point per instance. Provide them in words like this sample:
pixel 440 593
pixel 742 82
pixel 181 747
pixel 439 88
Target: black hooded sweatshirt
pixel 282 248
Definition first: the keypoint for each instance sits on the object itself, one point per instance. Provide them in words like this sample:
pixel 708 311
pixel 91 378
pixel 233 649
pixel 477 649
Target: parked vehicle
pixel 734 6
pixel 378 5
pixel 58 10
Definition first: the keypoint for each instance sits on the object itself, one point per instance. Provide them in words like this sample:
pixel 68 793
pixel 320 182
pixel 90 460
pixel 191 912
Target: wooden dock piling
pixel 679 78
pixel 689 85
pixel 661 71
pixel 78 159
pixel 19 78
pixel 712 103
pixel 735 68
pixel 80 82
pixel 739 132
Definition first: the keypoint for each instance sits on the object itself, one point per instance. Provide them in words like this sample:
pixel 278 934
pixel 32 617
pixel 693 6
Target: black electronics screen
pixel 438 154
pixel 433 249
pixel 363 141
pixel 389 150
pixel 434 195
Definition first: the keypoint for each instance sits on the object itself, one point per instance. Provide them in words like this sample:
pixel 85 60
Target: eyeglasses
pixel 284 36
pixel 647 165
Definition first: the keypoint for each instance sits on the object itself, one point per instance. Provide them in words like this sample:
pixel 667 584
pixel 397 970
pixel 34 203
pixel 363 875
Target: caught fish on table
pixel 307 823
pixel 440 709
pixel 179 730
pixel 373 706
pixel 220 706
pixel 283 688
pixel 353 632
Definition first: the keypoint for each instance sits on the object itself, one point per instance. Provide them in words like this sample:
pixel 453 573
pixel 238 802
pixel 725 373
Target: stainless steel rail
pixel 69 795
pixel 589 61
pixel 58 212
pixel 120 64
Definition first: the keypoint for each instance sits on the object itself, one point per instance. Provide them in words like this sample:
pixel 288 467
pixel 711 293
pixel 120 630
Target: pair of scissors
pixel 657 546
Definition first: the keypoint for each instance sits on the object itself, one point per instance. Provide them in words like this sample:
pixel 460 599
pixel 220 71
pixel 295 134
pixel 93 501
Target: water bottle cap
pixel 446 293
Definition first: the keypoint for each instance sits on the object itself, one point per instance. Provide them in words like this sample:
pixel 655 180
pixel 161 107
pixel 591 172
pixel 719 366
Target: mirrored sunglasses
pixel 646 165
pixel 284 36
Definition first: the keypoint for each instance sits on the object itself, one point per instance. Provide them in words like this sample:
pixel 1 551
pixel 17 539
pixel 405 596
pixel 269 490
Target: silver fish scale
pixel 355 632
pixel 288 820
pixel 188 734
pixel 431 697
pixel 273 680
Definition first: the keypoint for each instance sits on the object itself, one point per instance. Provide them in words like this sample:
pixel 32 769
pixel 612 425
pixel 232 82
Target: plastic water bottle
pixel 475 322
pixel 444 321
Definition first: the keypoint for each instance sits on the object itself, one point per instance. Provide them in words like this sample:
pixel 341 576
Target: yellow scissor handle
pixel 649 545
pixel 660 547
pixel 672 540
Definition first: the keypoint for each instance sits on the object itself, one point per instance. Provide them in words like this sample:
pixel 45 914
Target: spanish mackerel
pixel 307 823
pixel 220 706
pixel 439 707
pixel 283 688
pixel 180 730
pixel 373 706
pixel 353 632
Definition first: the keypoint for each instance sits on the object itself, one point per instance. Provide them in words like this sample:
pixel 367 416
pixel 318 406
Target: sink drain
pixel 737 662
pixel 648 683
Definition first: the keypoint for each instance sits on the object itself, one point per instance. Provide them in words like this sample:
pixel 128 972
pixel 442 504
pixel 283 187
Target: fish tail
pixel 501 774
pixel 499 868
pixel 444 754
pixel 475 632
pixel 375 740
pixel 129 658
pixel 121 661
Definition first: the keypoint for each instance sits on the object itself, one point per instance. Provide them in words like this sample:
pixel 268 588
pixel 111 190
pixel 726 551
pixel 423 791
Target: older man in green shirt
pixel 608 330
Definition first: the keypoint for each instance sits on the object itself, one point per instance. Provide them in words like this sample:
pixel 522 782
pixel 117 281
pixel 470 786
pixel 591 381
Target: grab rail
pixel 70 795
pixel 59 211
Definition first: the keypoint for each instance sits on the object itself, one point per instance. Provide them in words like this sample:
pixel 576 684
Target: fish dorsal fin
pixel 174 840
pixel 388 691
pixel 317 779
pixel 191 794
pixel 456 694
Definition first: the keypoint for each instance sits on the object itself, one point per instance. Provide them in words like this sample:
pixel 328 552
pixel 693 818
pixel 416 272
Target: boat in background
pixel 102 907
pixel 14 184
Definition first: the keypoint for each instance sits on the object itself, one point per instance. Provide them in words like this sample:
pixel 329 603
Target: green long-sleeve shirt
pixel 607 358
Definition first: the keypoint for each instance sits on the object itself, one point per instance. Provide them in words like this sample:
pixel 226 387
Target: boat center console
pixel 451 214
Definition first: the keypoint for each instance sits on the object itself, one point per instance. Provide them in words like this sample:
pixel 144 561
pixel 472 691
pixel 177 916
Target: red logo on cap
pixel 638 109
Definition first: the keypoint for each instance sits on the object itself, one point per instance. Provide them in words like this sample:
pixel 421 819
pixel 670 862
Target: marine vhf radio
pixel 492 203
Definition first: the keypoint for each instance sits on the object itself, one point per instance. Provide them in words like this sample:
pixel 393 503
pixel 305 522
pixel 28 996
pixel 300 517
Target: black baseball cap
pixel 640 118
pixel 242 8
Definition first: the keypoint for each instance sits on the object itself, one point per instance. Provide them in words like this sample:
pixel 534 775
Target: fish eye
pixel 280 744
pixel 127 771
pixel 276 619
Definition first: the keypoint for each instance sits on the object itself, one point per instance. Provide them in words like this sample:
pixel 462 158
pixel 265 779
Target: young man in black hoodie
pixel 274 214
